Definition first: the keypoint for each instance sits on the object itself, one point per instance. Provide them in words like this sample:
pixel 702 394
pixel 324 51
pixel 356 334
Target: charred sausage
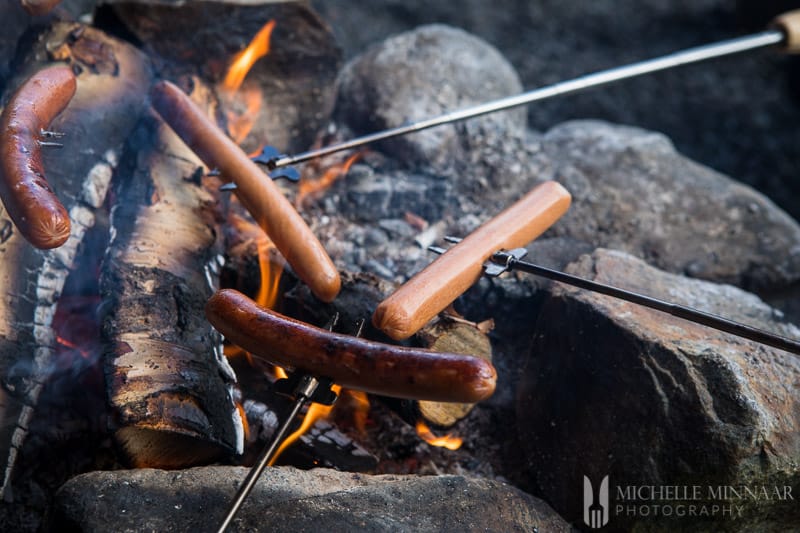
pixel 26 195
pixel 350 361
pixel 260 196
pixel 413 304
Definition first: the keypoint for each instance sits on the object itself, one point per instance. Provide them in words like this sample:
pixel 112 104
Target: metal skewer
pixel 504 260
pixel 304 388
pixel 588 81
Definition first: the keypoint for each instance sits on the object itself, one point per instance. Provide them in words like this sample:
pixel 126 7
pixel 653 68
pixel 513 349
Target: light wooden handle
pixel 411 306
pixel 258 194
pixel 789 24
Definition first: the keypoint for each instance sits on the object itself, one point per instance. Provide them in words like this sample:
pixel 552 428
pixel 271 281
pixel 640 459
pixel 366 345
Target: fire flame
pixel 245 424
pixel 315 412
pixel 449 441
pixel 244 60
pixel 271 271
pixel 245 102
pixel 310 188
pixel 360 404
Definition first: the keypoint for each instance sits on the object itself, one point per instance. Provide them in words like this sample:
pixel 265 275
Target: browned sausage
pixel 260 196
pixel 413 304
pixel 24 190
pixel 350 361
pixel 38 8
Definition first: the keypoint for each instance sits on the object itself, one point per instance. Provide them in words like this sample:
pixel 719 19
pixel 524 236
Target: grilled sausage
pixel 260 196
pixel 350 361
pixel 26 195
pixel 413 304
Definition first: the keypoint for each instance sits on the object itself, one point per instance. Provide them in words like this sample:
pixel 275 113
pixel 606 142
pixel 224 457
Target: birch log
pixel 112 79
pixel 167 378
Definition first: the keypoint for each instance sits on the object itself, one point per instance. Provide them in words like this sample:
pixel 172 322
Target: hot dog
pixel 26 195
pixel 260 196
pixel 412 305
pixel 352 362
pixel 38 8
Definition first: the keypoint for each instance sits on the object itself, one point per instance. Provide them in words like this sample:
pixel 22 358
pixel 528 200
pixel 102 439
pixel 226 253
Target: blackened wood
pixel 100 116
pixel 297 77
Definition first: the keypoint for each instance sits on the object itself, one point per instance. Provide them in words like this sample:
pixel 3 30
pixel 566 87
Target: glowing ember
pixel 244 60
pixel 72 346
pixel 315 412
pixel 333 173
pixel 448 441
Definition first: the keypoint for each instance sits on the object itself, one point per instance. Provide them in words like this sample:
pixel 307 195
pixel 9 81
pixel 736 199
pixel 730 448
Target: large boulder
pixel 633 191
pixel 612 388
pixel 421 74
pixel 287 499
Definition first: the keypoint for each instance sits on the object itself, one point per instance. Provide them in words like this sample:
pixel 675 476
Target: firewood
pixel 167 378
pixel 457 336
pixel 296 79
pixel 100 116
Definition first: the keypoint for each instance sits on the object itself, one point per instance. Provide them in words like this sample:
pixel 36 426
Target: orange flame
pixel 245 424
pixel 243 109
pixel 244 60
pixel 333 173
pixel 315 412
pixel 361 406
pixel 241 116
pixel 449 441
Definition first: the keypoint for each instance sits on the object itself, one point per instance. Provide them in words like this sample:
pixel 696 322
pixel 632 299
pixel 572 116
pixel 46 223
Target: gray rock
pixel 424 73
pixel 287 499
pixel 612 388
pixel 632 191
pixel 736 115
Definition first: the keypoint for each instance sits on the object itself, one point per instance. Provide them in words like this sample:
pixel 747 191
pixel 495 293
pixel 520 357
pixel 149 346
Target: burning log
pixel 166 374
pixel 99 117
pixel 295 82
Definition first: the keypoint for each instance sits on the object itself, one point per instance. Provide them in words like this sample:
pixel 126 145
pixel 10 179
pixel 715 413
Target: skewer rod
pixel 588 81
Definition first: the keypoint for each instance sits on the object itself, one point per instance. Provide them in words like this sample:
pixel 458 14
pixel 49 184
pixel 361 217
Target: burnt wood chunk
pixel 455 336
pixel 100 116
pixel 167 378
pixel 295 81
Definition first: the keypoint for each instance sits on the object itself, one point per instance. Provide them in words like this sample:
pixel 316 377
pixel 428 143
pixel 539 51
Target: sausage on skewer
pixel 26 195
pixel 352 362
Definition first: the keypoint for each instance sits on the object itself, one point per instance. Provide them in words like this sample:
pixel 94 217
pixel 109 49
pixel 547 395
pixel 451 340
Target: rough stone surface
pixel 612 388
pixel 286 499
pixel 424 73
pixel 632 191
pixel 736 114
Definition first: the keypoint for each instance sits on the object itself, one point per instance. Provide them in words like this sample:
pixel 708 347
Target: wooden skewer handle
pixel 789 24
pixel 429 292
pixel 258 194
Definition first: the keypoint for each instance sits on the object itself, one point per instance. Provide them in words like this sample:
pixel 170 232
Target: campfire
pixel 224 279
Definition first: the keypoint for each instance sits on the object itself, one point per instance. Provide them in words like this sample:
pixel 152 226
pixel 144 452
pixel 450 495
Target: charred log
pixel 100 116
pixel 167 378
pixel 295 81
